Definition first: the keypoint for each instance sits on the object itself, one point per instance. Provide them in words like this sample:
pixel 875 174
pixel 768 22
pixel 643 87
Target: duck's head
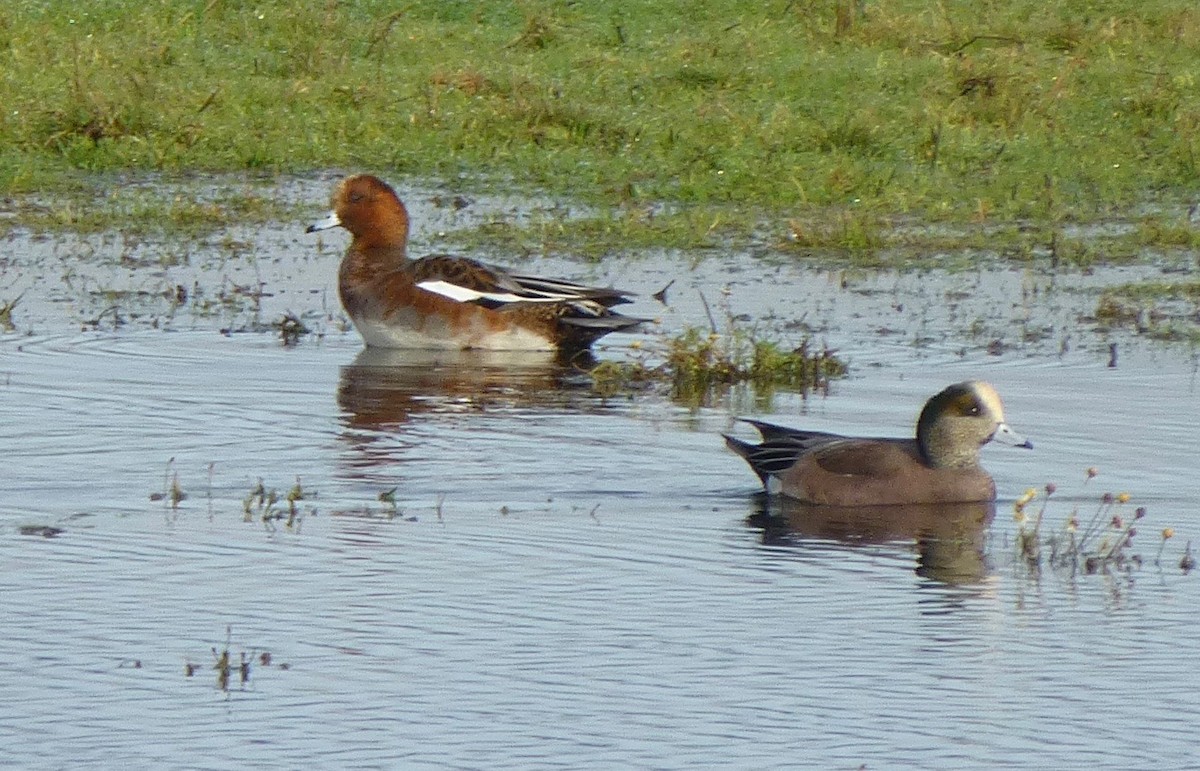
pixel 372 212
pixel 960 420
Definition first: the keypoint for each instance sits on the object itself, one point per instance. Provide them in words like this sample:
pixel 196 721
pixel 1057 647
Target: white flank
pixel 377 334
pixel 464 295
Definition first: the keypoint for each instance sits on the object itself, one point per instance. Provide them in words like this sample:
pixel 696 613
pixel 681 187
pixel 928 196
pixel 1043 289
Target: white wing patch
pixel 464 295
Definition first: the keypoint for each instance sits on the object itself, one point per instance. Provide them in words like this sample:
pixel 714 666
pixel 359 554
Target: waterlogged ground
pixel 556 577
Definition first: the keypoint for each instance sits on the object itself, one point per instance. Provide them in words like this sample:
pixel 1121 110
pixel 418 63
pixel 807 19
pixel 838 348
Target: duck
pixel 448 302
pixel 940 465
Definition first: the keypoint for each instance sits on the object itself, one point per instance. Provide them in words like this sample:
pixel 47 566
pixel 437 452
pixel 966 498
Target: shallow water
pixel 568 580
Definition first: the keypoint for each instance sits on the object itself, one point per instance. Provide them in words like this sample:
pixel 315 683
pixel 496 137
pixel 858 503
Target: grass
pixel 738 112
pixel 698 367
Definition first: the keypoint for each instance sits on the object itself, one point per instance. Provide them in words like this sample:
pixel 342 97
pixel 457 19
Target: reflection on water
pixel 949 538
pixel 382 391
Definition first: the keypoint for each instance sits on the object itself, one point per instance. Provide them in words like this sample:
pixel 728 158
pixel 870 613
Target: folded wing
pixel 782 447
pixel 585 310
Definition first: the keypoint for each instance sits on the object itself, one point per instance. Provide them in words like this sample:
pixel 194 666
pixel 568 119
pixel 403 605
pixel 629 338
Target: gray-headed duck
pixel 941 465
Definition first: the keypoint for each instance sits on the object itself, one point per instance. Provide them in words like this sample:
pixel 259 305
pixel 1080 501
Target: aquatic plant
pixel 260 504
pixel 6 312
pixel 172 492
pixel 1187 562
pixel 291 328
pixel 389 510
pixel 388 499
pixel 225 664
pixel 1104 543
pixel 698 365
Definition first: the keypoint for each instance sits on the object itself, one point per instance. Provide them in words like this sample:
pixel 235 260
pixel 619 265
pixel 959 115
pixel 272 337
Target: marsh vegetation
pixel 829 124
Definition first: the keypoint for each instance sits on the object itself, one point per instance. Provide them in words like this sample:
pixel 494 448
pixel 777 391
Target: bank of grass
pixel 972 112
pixel 837 236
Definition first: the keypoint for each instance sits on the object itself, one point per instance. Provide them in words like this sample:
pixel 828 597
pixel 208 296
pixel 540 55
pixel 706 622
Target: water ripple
pixel 565 581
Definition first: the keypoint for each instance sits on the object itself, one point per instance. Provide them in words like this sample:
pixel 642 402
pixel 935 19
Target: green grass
pixel 962 112
pixel 700 367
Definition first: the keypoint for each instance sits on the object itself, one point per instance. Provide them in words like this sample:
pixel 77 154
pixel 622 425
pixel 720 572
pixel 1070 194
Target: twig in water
pixel 708 312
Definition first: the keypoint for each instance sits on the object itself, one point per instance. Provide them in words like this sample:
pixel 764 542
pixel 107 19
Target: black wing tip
pixel 603 295
pixel 607 297
pixel 611 323
pixel 582 332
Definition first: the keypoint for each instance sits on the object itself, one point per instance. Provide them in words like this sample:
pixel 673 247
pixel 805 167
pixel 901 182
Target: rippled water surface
pixel 562 579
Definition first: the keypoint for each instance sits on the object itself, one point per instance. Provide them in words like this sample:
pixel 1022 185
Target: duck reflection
pixel 949 537
pixel 382 390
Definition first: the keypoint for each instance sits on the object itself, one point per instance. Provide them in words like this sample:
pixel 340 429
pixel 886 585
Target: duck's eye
pixel 356 197
pixel 973 410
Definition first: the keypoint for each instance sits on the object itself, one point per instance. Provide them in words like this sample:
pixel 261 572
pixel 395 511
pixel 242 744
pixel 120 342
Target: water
pixel 567 580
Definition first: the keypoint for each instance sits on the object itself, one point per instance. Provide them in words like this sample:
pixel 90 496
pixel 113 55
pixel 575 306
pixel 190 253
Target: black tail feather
pixel 746 451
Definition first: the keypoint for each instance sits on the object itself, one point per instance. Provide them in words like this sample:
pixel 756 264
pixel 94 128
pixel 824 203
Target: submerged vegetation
pixel 826 120
pixel 698 366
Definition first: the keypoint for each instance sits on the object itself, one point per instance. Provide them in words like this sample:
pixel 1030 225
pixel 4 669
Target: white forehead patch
pixel 990 399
